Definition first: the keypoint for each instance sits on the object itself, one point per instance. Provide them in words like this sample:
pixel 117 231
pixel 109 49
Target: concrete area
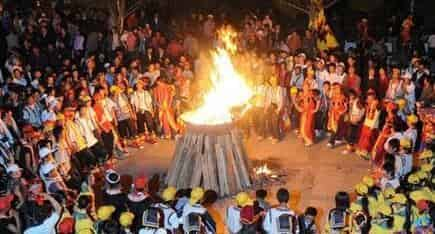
pixel 315 174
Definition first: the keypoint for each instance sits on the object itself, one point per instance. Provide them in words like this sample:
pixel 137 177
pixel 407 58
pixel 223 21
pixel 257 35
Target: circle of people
pixel 73 102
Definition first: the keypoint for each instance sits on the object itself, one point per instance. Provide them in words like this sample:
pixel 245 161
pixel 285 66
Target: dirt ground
pixel 314 174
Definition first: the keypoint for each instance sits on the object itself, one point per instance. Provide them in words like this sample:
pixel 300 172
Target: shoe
pixel 338 142
pixel 274 141
pixel 345 152
pixel 308 144
pixel 260 138
pixel 329 145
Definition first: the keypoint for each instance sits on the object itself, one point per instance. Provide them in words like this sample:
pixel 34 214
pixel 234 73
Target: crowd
pixel 73 101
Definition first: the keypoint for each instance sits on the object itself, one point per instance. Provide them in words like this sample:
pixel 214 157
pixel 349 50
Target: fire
pixel 263 170
pixel 228 90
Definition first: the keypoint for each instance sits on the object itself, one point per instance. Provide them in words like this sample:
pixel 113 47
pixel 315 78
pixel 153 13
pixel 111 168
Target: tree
pixel 315 9
pixel 121 9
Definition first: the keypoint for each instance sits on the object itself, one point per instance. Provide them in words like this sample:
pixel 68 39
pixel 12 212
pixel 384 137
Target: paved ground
pixel 315 174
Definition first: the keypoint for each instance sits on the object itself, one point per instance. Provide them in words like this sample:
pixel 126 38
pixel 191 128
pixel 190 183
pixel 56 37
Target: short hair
pixel 261 193
pixel 394 143
pixel 83 201
pixel 311 211
pixel 283 195
pixel 111 227
pixel 342 200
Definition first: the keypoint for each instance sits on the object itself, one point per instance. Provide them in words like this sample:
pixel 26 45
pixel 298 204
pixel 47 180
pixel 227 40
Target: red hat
pixel 422 205
pixel 66 226
pixel 140 182
pixel 5 202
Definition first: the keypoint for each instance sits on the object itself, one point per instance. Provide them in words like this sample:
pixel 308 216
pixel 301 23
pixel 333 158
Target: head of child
pixel 283 196
pixel 261 194
pixel 310 214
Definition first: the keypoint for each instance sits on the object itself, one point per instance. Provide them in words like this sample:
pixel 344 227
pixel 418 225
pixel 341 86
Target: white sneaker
pixel 329 145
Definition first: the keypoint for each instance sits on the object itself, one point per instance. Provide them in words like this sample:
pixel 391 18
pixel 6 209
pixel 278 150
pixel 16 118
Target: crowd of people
pixel 74 100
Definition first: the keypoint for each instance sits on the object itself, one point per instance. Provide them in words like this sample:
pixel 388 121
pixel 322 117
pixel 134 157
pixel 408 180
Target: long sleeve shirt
pixel 142 101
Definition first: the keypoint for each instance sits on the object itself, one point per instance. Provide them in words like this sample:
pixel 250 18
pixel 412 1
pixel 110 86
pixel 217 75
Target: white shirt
pixel 47 227
pixel 386 183
pixel 48 116
pixel 431 41
pixel 233 219
pixel 403 165
pixel 411 134
pixel 86 128
pixel 142 101
pixel 171 221
pixel 270 223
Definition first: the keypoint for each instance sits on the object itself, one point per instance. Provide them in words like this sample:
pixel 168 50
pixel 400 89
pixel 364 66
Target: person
pixel 370 127
pixel 403 160
pixel 142 103
pixel 163 96
pixel 281 218
pixel 356 114
pixel 338 219
pixel 47 222
pixel 233 221
pixel 9 218
pixel 308 108
pixel 194 214
pixel 336 114
pixel 138 200
pixel 112 194
pixel 126 221
pixel 171 221
pixel 307 221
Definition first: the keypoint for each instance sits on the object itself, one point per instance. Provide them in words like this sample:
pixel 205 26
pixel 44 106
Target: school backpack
pixel 338 220
pixel 286 224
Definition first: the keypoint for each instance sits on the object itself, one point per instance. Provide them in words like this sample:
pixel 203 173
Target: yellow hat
pixel 243 199
pixel 389 192
pixel 399 198
pixel 60 116
pixel 115 89
pixel 368 180
pixel 196 195
pixel 84 226
pixel 105 212
pixel 422 174
pixel 126 219
pixel 129 90
pixel 401 103
pixel 384 209
pixel 413 179
pixel 355 207
pixel 412 119
pixel 85 231
pixel 405 143
pixel 361 189
pixel 419 195
pixel 169 193
pixel 86 98
pixel 293 90
pixel 426 154
pixel 426 167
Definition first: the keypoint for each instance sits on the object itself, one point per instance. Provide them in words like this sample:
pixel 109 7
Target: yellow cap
pixel 413 179
pixel 196 195
pixel 384 209
pixel 86 98
pixel 426 154
pixel 169 193
pixel 412 119
pixel 361 189
pixel 426 167
pixel 129 90
pixel 368 180
pixel 243 199
pixel 401 103
pixel 405 143
pixel 355 207
pixel 389 192
pixel 419 195
pixel 84 226
pixel 105 212
pixel 126 219
pixel 399 198
pixel 422 174
pixel 293 90
pixel 115 89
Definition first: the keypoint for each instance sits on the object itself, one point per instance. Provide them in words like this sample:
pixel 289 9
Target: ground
pixel 315 174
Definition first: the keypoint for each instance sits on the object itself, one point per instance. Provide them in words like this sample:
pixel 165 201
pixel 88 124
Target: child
pixel 403 160
pixel 307 222
pixel 339 217
pixel 356 113
pixel 281 218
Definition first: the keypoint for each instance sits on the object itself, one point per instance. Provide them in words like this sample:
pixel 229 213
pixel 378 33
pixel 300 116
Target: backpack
pixel 152 217
pixel 338 219
pixel 286 224
pixel 193 223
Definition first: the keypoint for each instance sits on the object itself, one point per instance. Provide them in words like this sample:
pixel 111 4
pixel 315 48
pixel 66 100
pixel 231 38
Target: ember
pixel 264 175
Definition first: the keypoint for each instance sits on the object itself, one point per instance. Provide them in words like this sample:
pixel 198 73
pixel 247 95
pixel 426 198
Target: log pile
pixel 210 156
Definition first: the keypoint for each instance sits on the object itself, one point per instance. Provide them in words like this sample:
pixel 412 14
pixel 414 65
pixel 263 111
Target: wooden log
pixel 232 164
pixel 221 165
pixel 176 162
pixel 242 159
pixel 211 162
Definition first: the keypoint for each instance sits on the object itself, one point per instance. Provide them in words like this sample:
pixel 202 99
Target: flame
pixel 263 170
pixel 228 86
